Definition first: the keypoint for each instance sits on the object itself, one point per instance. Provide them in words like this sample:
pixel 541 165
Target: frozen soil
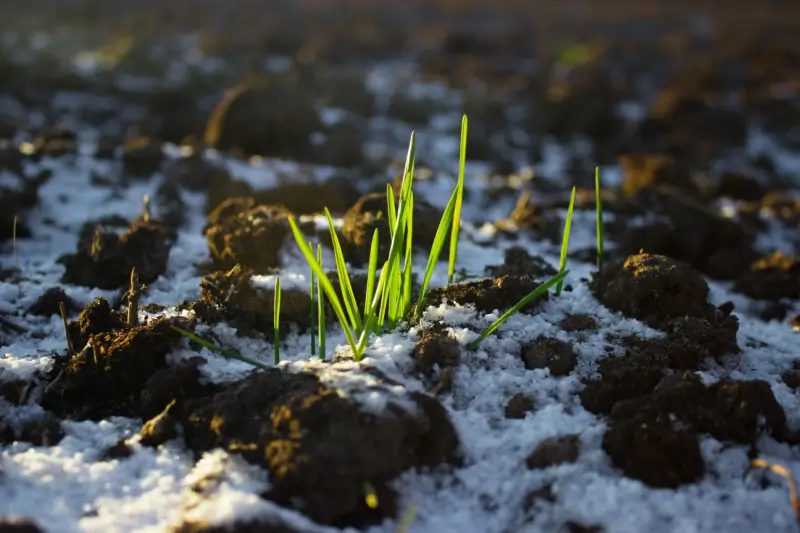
pixel 634 400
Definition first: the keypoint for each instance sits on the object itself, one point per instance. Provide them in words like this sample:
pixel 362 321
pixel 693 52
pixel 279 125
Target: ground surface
pixel 635 400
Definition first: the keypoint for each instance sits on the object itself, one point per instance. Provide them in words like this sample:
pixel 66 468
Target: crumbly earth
pixel 146 188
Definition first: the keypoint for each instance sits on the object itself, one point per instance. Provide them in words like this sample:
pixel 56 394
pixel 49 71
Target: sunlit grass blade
pixel 321 327
pixel 311 308
pixel 456 218
pixel 406 519
pixel 322 279
pixel 391 209
pixel 562 263
pixel 370 495
pixel 436 250
pixel 599 205
pixel 407 284
pixel 276 319
pixel 372 269
pixel 344 278
pixel 382 296
pixel 536 293
pixel 225 352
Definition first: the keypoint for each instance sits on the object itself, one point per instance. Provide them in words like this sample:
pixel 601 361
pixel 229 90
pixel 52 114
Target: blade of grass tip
pixel 436 250
pixel 311 309
pixel 232 354
pixel 370 495
pixel 276 335
pixel 322 278
pixel 562 263
pixel 535 293
pixel 391 210
pixel 344 278
pixel 451 266
pixel 371 273
pixel 321 327
pixel 599 205
pixel 407 279
pixel 407 518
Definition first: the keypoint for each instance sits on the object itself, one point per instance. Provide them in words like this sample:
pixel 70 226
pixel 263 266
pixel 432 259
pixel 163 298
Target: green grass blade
pixel 536 293
pixel 225 352
pixel 276 339
pixel 330 292
pixel 311 309
pixel 407 283
pixel 321 327
pixel 391 210
pixel 372 270
pixel 344 278
pixel 436 250
pixel 599 206
pixel 456 221
pixel 562 263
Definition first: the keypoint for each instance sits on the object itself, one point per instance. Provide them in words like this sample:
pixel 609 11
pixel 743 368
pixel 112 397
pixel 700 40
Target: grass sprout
pixel 276 334
pixel 562 263
pixel 371 272
pixel 459 193
pixel 321 327
pixel 344 277
pixel 535 293
pixel 784 472
pixel 225 352
pixel 325 282
pixel 599 206
pixel 311 309
pixel 436 250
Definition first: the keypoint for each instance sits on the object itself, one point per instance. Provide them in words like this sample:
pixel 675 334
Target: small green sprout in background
pixel 565 241
pixel 406 519
pixel 321 327
pixel 311 309
pixel 276 334
pixel 225 352
pixel 535 293
pixel 599 205
pixel 459 192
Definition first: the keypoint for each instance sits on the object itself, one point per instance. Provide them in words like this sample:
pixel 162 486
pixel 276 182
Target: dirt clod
pixel 43 432
pixel 240 232
pixel 318 446
pixel 578 323
pixel 518 406
pixel 489 295
pixel 518 262
pixel 772 277
pixel 436 350
pixel 554 451
pixel 556 355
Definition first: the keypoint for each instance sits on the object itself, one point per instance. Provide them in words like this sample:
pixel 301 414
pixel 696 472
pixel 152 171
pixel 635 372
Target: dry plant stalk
pixel 63 310
pixel 783 472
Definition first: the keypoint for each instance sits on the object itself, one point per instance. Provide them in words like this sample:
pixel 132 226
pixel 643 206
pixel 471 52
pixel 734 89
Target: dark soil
pixel 281 421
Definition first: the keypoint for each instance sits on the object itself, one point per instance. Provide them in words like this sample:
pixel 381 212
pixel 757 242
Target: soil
pixel 701 201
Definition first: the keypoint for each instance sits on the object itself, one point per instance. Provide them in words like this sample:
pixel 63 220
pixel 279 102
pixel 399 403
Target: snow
pixel 71 487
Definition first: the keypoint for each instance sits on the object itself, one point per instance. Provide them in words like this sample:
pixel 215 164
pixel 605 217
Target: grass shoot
pixel 562 263
pixel 276 334
pixel 599 206
pixel 225 352
pixel 321 327
pixel 371 271
pixel 535 293
pixel 459 193
pixel 311 309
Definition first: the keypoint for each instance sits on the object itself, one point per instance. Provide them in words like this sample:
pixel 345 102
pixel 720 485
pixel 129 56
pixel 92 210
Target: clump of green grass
pixel 225 352
pixel 565 241
pixel 534 294
pixel 276 334
pixel 599 207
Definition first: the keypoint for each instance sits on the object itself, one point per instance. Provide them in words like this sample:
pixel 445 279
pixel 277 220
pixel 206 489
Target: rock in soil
pixel 319 447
